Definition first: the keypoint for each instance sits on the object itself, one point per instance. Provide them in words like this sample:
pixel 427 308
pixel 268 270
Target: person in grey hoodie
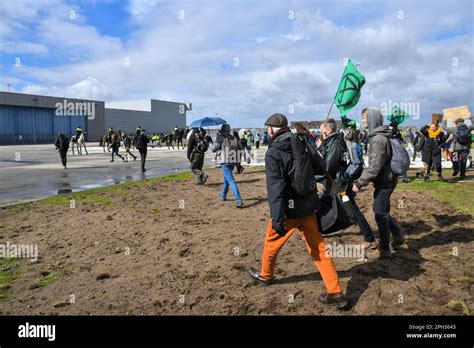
pixel 378 172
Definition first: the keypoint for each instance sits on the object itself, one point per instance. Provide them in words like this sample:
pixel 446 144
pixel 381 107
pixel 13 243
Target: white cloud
pixel 282 63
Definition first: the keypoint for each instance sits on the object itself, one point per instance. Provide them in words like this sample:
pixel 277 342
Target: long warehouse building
pixel 30 119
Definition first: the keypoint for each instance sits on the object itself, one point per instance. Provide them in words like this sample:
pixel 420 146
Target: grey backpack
pixel 400 161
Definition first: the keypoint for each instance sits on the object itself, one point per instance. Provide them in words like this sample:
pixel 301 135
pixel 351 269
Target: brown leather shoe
pixel 255 275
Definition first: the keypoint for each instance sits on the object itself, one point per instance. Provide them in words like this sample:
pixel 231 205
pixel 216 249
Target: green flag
pixel 397 115
pixel 346 122
pixel 348 92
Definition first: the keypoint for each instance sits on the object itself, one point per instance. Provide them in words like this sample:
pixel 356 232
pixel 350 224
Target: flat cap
pixel 277 120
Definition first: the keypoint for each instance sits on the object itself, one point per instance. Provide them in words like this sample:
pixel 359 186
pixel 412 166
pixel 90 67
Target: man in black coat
pixel 434 139
pixel 62 145
pixel 197 147
pixel 289 212
pixel 141 144
pixel 334 151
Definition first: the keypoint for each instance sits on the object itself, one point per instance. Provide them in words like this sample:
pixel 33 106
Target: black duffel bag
pixel 336 212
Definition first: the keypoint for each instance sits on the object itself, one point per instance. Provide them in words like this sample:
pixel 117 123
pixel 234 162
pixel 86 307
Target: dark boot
pixel 339 300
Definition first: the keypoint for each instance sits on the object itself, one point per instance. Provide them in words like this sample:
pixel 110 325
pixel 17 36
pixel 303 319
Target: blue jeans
pixel 229 180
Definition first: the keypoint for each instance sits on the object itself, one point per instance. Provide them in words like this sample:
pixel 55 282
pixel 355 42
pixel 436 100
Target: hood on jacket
pixel 374 118
pixel 282 141
pixel 382 130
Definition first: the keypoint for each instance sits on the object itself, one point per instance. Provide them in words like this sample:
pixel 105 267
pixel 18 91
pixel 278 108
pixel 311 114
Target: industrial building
pixel 30 119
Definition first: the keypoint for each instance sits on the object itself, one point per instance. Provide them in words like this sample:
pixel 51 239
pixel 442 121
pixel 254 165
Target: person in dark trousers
pixel 197 147
pixel 461 134
pixel 127 142
pixel 62 145
pixel 142 147
pixel 333 149
pixel 180 138
pixel 115 146
pixel 416 143
pixel 230 149
pixel 257 140
pixel 378 172
pixel 434 140
pixel 290 212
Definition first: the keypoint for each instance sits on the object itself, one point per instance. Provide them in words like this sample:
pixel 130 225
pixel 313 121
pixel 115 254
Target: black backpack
pixel 201 144
pixel 301 172
pixel 64 143
pixel 463 135
pixel 140 143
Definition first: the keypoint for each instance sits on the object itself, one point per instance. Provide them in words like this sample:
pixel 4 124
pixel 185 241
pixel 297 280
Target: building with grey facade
pixel 30 119
pixel 162 118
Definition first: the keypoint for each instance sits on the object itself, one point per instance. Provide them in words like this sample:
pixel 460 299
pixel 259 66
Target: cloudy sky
pixel 241 59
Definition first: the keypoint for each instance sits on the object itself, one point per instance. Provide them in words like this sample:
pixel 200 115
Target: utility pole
pixel 9 84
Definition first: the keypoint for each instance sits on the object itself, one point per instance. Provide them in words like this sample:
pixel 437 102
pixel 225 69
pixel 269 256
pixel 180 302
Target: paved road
pixel 29 172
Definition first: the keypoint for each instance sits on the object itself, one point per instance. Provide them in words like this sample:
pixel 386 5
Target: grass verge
pixel 457 194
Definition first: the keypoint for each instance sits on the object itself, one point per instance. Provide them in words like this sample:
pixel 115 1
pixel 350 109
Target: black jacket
pixel 333 151
pixel 378 170
pixel 284 202
pixel 193 142
pixel 431 147
pixel 141 142
pixel 62 144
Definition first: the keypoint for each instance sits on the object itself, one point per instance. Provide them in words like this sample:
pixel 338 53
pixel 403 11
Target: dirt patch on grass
pixel 171 247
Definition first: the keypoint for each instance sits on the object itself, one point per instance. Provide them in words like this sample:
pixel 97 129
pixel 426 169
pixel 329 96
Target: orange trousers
pixel 314 243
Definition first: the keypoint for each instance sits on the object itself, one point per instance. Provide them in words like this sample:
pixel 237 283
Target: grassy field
pixel 458 194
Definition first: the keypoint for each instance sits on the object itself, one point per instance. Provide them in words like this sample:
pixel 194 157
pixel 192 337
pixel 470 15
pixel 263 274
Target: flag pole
pixel 330 110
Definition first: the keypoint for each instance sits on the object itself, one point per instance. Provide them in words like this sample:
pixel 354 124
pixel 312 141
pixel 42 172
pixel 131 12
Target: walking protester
pixel 229 149
pixel 416 143
pixel 62 145
pixel 197 147
pixel 115 146
pixel 434 140
pixel 127 142
pixel 257 140
pixel 380 174
pixel 142 147
pixel 135 136
pixel 248 146
pixel 290 210
pixel 334 149
pixel 240 169
pixel 265 138
pixel 461 146
pixel 168 138
pixel 180 138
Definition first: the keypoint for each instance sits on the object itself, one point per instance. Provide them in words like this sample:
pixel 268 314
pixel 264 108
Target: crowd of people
pixel 337 160
pixel 332 160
